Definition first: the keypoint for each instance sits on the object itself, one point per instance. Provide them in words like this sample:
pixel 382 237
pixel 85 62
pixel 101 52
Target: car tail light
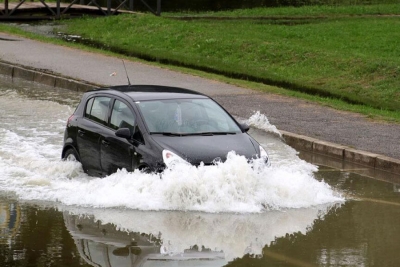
pixel 70 119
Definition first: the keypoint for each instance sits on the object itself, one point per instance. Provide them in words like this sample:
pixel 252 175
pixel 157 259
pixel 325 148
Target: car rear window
pixel 97 109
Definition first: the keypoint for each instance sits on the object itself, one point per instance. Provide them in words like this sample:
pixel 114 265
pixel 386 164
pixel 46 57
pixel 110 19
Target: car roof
pixel 152 92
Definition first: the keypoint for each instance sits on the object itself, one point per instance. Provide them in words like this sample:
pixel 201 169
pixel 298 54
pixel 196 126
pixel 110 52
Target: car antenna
pixel 129 82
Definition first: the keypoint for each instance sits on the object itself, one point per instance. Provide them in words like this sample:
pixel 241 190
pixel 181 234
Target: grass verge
pixel 355 59
pixel 304 11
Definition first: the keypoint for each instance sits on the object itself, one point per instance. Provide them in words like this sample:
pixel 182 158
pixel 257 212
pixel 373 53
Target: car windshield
pixel 186 117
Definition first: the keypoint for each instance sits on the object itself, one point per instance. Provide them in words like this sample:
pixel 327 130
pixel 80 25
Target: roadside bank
pixel 297 141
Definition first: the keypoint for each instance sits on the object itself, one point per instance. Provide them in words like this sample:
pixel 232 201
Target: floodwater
pixel 293 213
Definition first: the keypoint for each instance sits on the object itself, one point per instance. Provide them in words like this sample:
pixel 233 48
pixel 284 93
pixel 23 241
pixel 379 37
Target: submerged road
pixel 288 114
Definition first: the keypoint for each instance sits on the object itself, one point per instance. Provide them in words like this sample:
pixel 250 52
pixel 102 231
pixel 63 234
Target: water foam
pixel 233 186
pixel 260 121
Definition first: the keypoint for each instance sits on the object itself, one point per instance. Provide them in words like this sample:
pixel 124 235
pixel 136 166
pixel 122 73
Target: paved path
pixel 289 114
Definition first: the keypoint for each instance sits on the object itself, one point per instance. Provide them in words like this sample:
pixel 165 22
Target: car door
pixel 116 152
pixel 90 130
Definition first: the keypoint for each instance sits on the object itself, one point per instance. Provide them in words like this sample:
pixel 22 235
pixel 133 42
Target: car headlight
pixel 264 154
pixel 170 158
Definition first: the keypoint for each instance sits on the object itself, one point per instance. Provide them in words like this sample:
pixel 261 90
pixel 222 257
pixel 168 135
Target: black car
pixel 149 127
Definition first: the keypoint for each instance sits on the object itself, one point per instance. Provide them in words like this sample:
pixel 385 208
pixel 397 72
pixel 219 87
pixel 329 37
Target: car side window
pixel 99 109
pixel 89 107
pixel 122 116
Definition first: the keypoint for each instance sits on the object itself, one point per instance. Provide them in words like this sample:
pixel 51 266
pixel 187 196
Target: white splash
pixel 232 186
pixel 260 121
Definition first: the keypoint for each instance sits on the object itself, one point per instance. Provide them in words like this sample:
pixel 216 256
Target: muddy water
pixel 290 214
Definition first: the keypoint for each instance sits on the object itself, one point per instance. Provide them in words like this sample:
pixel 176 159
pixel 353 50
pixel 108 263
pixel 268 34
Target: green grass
pixel 304 11
pixel 356 58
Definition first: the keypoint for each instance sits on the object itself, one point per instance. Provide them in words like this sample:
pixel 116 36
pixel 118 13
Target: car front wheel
pixel 70 155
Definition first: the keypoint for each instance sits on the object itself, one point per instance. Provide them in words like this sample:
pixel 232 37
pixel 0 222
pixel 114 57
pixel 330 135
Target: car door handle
pixel 80 132
pixel 104 142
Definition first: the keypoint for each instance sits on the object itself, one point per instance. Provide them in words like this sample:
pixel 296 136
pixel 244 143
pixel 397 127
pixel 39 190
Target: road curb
pixel 296 141
pixel 46 77
pixel 344 153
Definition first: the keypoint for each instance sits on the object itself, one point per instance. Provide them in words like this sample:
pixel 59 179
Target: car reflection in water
pixel 104 245
pixel 10 220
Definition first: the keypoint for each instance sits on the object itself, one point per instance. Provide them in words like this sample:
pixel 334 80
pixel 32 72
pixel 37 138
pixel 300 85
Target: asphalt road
pixel 289 114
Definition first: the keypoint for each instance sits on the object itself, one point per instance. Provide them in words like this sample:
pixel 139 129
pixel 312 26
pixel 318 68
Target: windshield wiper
pixel 211 133
pixel 188 134
pixel 169 133
pixel 217 133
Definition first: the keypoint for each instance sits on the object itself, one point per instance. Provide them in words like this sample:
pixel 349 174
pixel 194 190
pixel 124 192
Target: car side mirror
pixel 245 128
pixel 123 133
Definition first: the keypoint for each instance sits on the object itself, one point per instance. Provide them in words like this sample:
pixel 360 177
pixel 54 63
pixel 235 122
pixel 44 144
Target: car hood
pixel 196 149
